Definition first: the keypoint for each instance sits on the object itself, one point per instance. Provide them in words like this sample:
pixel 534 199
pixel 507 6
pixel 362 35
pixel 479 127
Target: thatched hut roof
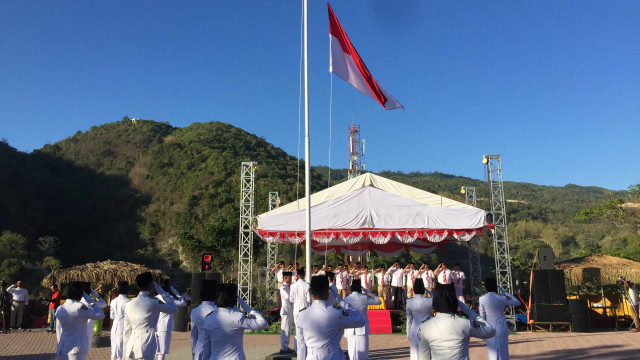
pixel 107 272
pixel 610 268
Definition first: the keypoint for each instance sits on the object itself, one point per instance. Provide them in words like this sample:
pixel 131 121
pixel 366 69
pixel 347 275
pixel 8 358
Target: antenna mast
pixel 356 151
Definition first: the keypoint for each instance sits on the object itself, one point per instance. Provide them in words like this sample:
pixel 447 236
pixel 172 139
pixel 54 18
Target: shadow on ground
pixel 603 352
pixel 389 354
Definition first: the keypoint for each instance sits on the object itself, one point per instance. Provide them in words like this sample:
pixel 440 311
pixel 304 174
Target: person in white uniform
pixel 321 325
pixel 300 298
pixel 384 281
pixel 71 324
pixel 397 285
pixel 20 299
pixel 411 275
pixel 419 308
pixel 94 298
pixel 458 278
pixel 358 338
pixel 331 300
pixel 427 277
pixel 442 274
pixel 225 327
pixel 446 336
pixel 286 314
pixel 491 308
pixel 366 278
pixel 116 313
pixel 141 317
pixel 200 342
pixel 164 329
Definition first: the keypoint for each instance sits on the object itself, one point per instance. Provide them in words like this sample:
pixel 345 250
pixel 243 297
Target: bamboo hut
pixel 105 272
pixel 579 271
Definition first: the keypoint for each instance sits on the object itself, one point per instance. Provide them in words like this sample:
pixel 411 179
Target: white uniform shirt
pixel 99 303
pixel 200 342
pixel 116 313
pixel 71 327
pixel 397 277
pixel 366 280
pixel 278 271
pixel 361 302
pixel 341 279
pixel 285 299
pixel 412 275
pixel 165 321
pixel 492 307
pixel 446 336
pixel 332 298
pixel 225 328
pixel 458 278
pixel 321 326
pixel 299 296
pixel 444 277
pixel 383 279
pixel 19 294
pixel 418 309
pixel 427 278
pixel 140 319
pixel 633 294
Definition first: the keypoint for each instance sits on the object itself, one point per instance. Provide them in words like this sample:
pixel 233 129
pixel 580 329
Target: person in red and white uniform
pixel 427 276
pixel 384 284
pixel 412 274
pixel 397 284
pixel 366 278
pixel 342 281
pixel 442 274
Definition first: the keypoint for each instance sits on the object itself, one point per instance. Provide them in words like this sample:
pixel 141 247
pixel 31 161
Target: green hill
pixel 149 192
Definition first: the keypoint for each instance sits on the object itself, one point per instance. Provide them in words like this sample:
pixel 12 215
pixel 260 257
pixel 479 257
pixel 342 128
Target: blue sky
pixel 552 86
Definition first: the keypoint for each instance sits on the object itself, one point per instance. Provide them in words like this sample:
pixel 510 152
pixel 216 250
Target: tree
pixel 12 246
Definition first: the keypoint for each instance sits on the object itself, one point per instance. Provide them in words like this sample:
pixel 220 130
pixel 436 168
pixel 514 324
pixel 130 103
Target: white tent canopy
pixel 371 213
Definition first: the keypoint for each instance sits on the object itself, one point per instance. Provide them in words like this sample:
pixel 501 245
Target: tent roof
pixel 371 213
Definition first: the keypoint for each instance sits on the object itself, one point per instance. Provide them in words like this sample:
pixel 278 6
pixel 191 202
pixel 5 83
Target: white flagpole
pixel 307 151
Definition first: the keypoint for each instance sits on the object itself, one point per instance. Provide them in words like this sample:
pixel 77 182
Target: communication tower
pixel 272 250
pixel 356 151
pixel 493 165
pixel 245 243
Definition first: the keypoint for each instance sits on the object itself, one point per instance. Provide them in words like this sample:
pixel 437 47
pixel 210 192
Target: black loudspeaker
pixel 545 255
pixel 180 319
pixel 541 291
pixel 558 289
pixel 579 311
pixel 196 285
pixel 550 313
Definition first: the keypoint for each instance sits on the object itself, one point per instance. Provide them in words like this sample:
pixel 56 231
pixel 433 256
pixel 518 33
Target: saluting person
pixel 458 278
pixel 358 338
pixel 286 313
pixel 491 308
pixel 141 317
pixel 71 324
pixel 225 327
pixel 446 336
pixel 419 308
pixel 98 301
pixel 116 313
pixel 320 326
pixel 164 329
pixel 300 298
pixel 200 342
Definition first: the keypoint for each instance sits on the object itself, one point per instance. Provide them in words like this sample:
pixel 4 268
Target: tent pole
pixel 307 162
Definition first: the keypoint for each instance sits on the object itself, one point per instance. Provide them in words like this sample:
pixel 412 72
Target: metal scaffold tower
pixel 356 151
pixel 475 270
pixel 245 243
pixel 493 165
pixel 272 250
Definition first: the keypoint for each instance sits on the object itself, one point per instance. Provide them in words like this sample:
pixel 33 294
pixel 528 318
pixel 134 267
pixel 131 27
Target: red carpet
pixel 379 321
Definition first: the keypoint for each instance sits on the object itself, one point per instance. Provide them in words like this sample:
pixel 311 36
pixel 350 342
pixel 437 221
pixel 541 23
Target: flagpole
pixel 307 151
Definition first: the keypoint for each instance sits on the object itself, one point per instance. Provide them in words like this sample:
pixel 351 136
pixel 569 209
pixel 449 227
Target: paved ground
pixel 38 345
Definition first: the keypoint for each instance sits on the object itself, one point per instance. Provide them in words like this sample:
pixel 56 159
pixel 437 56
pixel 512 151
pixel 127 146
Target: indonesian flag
pixel 347 64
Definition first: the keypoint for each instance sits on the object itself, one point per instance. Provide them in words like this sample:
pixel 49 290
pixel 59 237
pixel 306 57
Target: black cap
pixel 319 282
pixel 444 298
pixel 208 290
pixel 287 273
pixel 356 285
pixel 144 279
pixel 123 287
pixel 227 288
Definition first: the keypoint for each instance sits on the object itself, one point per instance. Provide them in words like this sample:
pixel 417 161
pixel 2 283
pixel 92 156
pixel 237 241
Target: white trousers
pixel 117 344
pixel 285 331
pixel 163 342
pixel 498 347
pixel 414 348
pixel 358 347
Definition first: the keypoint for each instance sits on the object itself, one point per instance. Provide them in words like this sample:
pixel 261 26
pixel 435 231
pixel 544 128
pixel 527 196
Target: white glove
pixel 158 289
pixel 174 291
pixel 244 305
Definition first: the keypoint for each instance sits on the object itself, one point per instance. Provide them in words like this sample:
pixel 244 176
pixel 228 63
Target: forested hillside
pixel 148 192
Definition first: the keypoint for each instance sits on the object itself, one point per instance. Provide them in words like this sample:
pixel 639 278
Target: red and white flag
pixel 347 64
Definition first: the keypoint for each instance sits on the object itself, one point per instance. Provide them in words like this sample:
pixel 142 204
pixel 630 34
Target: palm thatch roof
pixel 106 272
pixel 581 269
